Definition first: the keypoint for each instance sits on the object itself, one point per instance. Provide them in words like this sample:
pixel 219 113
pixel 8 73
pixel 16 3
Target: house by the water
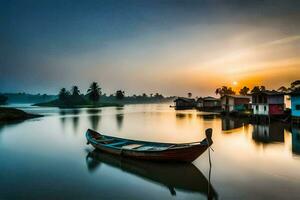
pixel 268 103
pixel 238 103
pixel 199 102
pixel 295 106
pixel 184 103
pixel 209 104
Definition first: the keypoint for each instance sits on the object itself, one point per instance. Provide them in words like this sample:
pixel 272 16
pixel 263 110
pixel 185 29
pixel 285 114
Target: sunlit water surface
pixel 47 158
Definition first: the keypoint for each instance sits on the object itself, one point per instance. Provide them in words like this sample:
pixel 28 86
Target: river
pixel 48 158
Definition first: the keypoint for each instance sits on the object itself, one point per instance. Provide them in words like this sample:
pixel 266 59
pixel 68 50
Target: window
pixel 265 108
pixel 257 107
pixel 298 107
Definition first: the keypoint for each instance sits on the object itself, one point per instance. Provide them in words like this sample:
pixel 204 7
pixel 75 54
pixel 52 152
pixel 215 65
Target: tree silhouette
pixel 75 91
pixel 262 88
pixel 120 94
pixel 224 90
pixel 258 89
pixel 190 94
pixel 244 90
pixel 63 94
pixel 94 92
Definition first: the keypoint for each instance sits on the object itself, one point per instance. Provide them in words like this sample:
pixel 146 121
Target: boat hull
pixel 184 154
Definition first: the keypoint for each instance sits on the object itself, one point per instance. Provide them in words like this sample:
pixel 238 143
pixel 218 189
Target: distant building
pixel 268 103
pixel 295 104
pixel 199 102
pixel 211 103
pixel 184 103
pixel 231 103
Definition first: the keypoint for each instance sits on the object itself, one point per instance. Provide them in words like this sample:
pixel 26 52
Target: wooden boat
pixel 175 177
pixel 185 152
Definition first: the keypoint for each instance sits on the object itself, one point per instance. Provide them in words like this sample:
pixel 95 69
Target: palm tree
pixel 224 90
pixel 63 94
pixel 75 91
pixel 258 89
pixel 94 92
pixel 255 89
pixel 262 88
pixel 244 90
pixel 190 94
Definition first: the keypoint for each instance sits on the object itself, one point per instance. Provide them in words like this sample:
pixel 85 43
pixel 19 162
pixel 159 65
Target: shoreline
pixel 13 115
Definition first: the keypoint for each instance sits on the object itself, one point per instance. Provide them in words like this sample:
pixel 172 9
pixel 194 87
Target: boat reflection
pixel 268 133
pixel 180 176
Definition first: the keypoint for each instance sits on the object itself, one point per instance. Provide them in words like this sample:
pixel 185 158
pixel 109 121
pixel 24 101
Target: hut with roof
pixel 182 103
pixel 268 103
pixel 295 105
pixel 231 103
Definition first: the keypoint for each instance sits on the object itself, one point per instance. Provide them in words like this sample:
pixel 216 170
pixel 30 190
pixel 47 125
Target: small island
pixel 13 114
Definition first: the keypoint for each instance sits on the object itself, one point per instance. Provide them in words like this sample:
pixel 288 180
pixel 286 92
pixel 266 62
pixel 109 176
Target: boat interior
pixel 135 145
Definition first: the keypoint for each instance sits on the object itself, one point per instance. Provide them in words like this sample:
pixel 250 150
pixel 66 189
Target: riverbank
pixel 13 114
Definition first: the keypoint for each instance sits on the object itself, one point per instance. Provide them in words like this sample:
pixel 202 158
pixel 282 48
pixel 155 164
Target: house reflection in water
pixel 230 123
pixel 268 133
pixel 207 117
pixel 296 140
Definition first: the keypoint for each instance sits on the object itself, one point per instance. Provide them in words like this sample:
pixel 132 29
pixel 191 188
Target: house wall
pixel 211 104
pixel 276 99
pixel 295 100
pixel 276 109
pixel 239 101
pixel 199 104
pixel 227 103
pixel 183 104
pixel 260 109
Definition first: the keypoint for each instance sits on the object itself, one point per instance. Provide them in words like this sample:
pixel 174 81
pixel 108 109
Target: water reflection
pixel 174 176
pixel 233 123
pixel 296 140
pixel 120 108
pixel 209 117
pixel 119 119
pixel 62 113
pixel 75 119
pixel 268 133
pixel 181 116
pixel 94 117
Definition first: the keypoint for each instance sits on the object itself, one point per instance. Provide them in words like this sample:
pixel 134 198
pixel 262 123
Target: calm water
pixel 48 158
